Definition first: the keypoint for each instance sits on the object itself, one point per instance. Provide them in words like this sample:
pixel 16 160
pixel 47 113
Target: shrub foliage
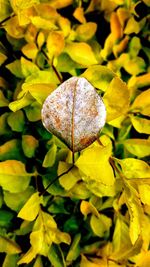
pixel 98 213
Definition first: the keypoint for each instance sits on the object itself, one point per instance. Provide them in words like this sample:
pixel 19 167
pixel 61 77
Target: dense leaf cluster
pixel 98 214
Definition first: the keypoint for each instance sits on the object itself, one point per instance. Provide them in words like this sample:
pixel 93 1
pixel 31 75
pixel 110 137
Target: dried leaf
pixel 75 113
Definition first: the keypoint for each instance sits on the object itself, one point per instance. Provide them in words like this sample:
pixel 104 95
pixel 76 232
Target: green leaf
pixel 29 145
pixel 134 168
pixel 138 147
pixel 38 262
pixel 11 150
pixel 142 103
pixel 15 201
pixel 81 53
pixel 16 121
pixel 116 99
pixel 50 157
pixel 5 218
pixel 99 76
pixel 31 208
pixel 16 178
pixel 141 125
pixel 9 246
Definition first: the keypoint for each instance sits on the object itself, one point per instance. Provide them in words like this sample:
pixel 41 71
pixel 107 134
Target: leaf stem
pixel 55 179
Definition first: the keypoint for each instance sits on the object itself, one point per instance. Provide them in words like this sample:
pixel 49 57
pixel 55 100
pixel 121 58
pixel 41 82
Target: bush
pixel 98 213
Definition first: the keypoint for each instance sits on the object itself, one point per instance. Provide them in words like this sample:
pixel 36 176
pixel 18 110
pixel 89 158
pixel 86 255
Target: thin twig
pixel 6 19
pixel 55 179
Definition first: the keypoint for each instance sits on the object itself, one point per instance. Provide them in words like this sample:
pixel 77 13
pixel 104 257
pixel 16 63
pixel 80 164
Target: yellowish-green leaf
pixel 29 145
pixel 116 99
pixel 15 68
pixel 74 250
pixel 13 29
pixel 142 103
pixel 144 190
pixel 33 111
pixel 3 101
pixel 15 201
pixel 10 260
pixel 36 89
pixel 108 47
pixel 86 31
pixel 55 44
pixel 31 208
pixel 65 25
pixel 16 178
pixel 140 81
pixel 27 67
pixel 134 46
pixel 121 240
pixel 96 170
pixel 9 246
pixel 3 58
pixel 38 262
pixel 89 263
pixel 68 180
pixel 99 76
pixel 22 102
pixel 141 125
pixel 138 147
pixel 10 150
pixel 16 121
pixel 43 76
pixel 5 9
pixel 100 225
pixel 50 157
pixel 134 168
pixel 135 65
pixel 55 256
pixel 81 53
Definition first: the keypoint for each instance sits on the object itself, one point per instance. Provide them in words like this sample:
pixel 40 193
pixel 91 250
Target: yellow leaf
pixel 143 259
pixel 142 103
pixel 55 44
pixel 99 76
pixel 79 15
pixel 119 48
pixel 29 256
pixel 133 26
pixel 138 147
pixel 65 25
pixel 89 263
pixel 38 262
pixel 141 125
pixel 100 225
pixel 60 4
pixel 13 29
pixel 21 4
pixel 42 23
pixel 31 208
pixel 5 9
pixel 81 53
pixel 134 168
pixel 116 99
pixel 86 31
pixel 135 65
pixel 30 50
pixel 68 180
pixel 15 68
pixel 3 58
pixel 140 81
pixel 108 47
pixel 93 162
pixel 8 246
pixel 123 15
pixel 22 102
pixel 3 101
pixel 144 190
pixel 15 174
